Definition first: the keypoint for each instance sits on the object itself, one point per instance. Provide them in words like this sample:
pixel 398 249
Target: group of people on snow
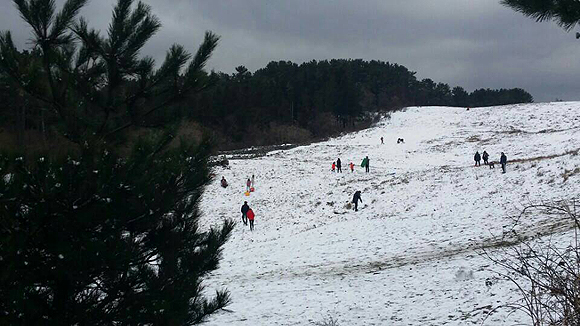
pixel 249 183
pixel 502 160
pixel 399 140
pixel 248 215
pixel 337 165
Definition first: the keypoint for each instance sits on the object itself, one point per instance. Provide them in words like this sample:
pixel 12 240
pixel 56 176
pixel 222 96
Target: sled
pixel 247 193
pixel 252 189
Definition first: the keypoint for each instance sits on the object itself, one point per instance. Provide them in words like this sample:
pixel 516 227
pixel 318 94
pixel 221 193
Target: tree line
pixel 325 96
pixel 282 102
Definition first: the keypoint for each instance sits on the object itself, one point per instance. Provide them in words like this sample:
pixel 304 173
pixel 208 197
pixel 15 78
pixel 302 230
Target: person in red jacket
pixel 333 166
pixel 250 216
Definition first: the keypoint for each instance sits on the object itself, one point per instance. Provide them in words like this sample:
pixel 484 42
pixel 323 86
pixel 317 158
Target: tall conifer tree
pixel 102 237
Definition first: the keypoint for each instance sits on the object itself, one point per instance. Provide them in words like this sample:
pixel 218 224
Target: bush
pixel 546 273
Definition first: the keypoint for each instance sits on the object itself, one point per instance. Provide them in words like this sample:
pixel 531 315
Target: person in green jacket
pixel 365 163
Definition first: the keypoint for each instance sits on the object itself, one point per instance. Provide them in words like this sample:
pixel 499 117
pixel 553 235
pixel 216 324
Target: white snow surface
pixel 409 256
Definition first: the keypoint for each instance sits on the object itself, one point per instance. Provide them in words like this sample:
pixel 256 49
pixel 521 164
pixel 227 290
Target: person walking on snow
pixel 382 142
pixel 366 163
pixel 245 209
pixel 477 159
pixel 351 167
pixel 338 166
pixel 251 219
pixel 224 182
pixel 252 180
pixel 485 158
pixel 248 185
pixel 333 166
pixel 503 161
pixel 355 200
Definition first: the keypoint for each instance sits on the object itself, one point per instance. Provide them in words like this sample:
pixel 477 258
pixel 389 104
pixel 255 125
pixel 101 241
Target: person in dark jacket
pixel 503 162
pixel 245 209
pixel 367 164
pixel 224 182
pixel 355 200
pixel 477 158
pixel 485 158
pixel 338 166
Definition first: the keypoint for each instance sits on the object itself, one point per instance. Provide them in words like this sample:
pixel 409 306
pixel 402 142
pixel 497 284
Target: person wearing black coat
pixel 366 166
pixel 503 162
pixel 245 209
pixel 485 158
pixel 355 200
pixel 338 166
pixel 477 159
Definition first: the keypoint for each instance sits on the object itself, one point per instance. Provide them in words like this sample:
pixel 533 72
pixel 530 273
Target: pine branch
pixel 64 19
pixel 566 13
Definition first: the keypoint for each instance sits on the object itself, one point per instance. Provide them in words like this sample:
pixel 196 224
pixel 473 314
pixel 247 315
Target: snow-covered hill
pixel 408 256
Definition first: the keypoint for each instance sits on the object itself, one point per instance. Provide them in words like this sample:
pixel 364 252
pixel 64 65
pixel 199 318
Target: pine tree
pixel 102 237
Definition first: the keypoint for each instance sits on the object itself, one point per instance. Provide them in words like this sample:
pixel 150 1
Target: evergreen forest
pixel 283 102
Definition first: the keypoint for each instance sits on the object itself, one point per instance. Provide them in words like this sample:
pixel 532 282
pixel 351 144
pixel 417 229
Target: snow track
pixel 408 256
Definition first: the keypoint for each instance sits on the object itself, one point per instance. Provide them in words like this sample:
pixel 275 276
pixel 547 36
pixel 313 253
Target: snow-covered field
pixel 408 257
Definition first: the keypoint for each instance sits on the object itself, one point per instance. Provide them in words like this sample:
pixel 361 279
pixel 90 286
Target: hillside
pixel 408 256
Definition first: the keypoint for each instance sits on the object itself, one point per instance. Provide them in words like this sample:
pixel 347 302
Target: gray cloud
pixel 471 43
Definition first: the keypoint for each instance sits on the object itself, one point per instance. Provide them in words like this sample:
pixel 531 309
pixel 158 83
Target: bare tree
pixel 545 270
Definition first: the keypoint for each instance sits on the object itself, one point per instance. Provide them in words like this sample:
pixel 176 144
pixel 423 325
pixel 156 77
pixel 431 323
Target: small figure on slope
pixel 251 218
pixel 338 166
pixel 248 185
pixel 382 142
pixel 485 158
pixel 355 200
pixel 477 159
pixel 365 163
pixel 224 182
pixel 503 161
pixel 245 209
pixel 253 181
pixel 351 167
pixel 333 166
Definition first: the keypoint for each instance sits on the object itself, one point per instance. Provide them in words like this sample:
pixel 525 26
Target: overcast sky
pixel 468 43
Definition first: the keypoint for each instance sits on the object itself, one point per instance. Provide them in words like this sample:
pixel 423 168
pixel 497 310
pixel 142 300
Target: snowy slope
pixel 408 256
